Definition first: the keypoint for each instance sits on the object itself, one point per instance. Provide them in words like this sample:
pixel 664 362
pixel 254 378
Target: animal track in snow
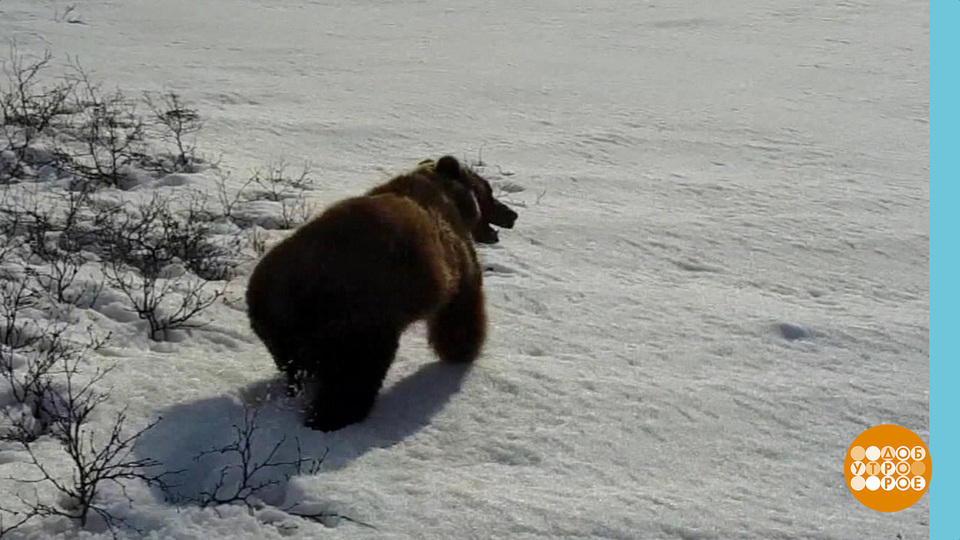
pixel 496 268
pixel 792 332
pixel 692 265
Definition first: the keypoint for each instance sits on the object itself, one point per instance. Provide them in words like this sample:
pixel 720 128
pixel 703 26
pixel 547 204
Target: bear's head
pixel 481 209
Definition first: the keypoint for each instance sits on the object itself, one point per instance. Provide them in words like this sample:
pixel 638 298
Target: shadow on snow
pixel 187 429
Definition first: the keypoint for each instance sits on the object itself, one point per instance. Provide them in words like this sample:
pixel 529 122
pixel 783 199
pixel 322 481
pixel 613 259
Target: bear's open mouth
pixel 485 234
pixel 501 216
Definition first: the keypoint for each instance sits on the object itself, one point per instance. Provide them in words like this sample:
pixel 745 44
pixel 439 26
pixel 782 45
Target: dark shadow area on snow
pixel 187 429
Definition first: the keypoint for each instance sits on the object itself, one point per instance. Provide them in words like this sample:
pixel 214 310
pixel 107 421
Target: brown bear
pixel 331 301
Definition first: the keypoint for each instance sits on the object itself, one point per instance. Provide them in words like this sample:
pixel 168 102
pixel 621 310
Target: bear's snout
pixel 503 215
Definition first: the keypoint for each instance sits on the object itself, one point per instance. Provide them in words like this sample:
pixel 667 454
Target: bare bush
pixel 48 394
pixel 178 122
pixel 96 461
pixel 161 254
pixel 110 132
pixel 245 479
pixel 278 183
pixel 241 482
pixel 16 296
pixel 61 401
pixel 60 270
pixel 294 212
pixel 95 135
pixel 290 190
pixel 10 223
pixel 229 201
pixel 274 184
pixel 27 110
pixel 14 519
pixel 51 228
pixel 193 240
pixel 68 15
pixel 30 385
pixel 155 235
pixel 59 274
pixel 166 304
pixel 29 367
pixel 257 241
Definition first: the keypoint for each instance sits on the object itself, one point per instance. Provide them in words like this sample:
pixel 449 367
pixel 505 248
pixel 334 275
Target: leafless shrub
pixel 30 385
pixel 290 190
pixel 144 249
pixel 60 267
pixel 29 367
pixel 160 253
pixel 94 464
pixel 96 461
pixel 276 183
pixel 177 121
pixel 48 394
pixel 155 235
pixel 16 296
pixel 209 256
pixel 60 403
pixel 257 241
pixel 110 132
pixel 11 221
pixel 68 15
pixel 58 276
pixel 241 481
pixel 229 201
pixel 15 519
pixel 296 211
pixel 51 228
pixel 166 304
pixel 27 110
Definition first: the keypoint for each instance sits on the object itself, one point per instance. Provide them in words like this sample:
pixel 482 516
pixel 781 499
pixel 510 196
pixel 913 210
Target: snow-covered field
pixel 718 278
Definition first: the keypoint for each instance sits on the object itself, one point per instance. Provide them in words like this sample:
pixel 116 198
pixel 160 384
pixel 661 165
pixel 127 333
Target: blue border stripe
pixel 944 276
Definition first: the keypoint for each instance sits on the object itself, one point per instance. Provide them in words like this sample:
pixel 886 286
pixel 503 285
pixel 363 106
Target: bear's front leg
pixel 457 331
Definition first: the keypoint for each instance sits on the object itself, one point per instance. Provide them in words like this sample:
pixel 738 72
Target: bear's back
pixel 359 254
pixel 450 202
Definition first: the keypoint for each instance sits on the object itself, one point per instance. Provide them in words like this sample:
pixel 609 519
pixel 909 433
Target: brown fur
pixel 331 301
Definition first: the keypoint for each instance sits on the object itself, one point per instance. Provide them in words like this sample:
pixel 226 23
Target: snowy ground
pixel 696 176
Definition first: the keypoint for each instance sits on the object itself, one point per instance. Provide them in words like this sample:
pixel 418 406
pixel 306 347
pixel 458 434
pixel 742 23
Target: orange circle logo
pixel 887 468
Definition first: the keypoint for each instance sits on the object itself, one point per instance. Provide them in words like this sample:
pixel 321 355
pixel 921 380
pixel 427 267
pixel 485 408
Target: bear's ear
pixel 449 167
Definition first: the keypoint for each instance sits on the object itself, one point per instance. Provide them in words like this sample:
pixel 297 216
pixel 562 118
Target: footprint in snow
pixel 792 332
pixel 692 265
pixel 498 269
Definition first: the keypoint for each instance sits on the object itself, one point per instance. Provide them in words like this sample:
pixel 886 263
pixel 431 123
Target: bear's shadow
pixel 190 435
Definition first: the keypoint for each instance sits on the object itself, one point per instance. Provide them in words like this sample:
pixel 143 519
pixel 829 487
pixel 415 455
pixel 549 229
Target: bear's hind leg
pixel 294 377
pixel 349 376
pixel 284 353
pixel 457 331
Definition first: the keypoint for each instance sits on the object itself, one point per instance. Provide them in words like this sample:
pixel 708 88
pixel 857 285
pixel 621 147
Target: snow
pixel 718 278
